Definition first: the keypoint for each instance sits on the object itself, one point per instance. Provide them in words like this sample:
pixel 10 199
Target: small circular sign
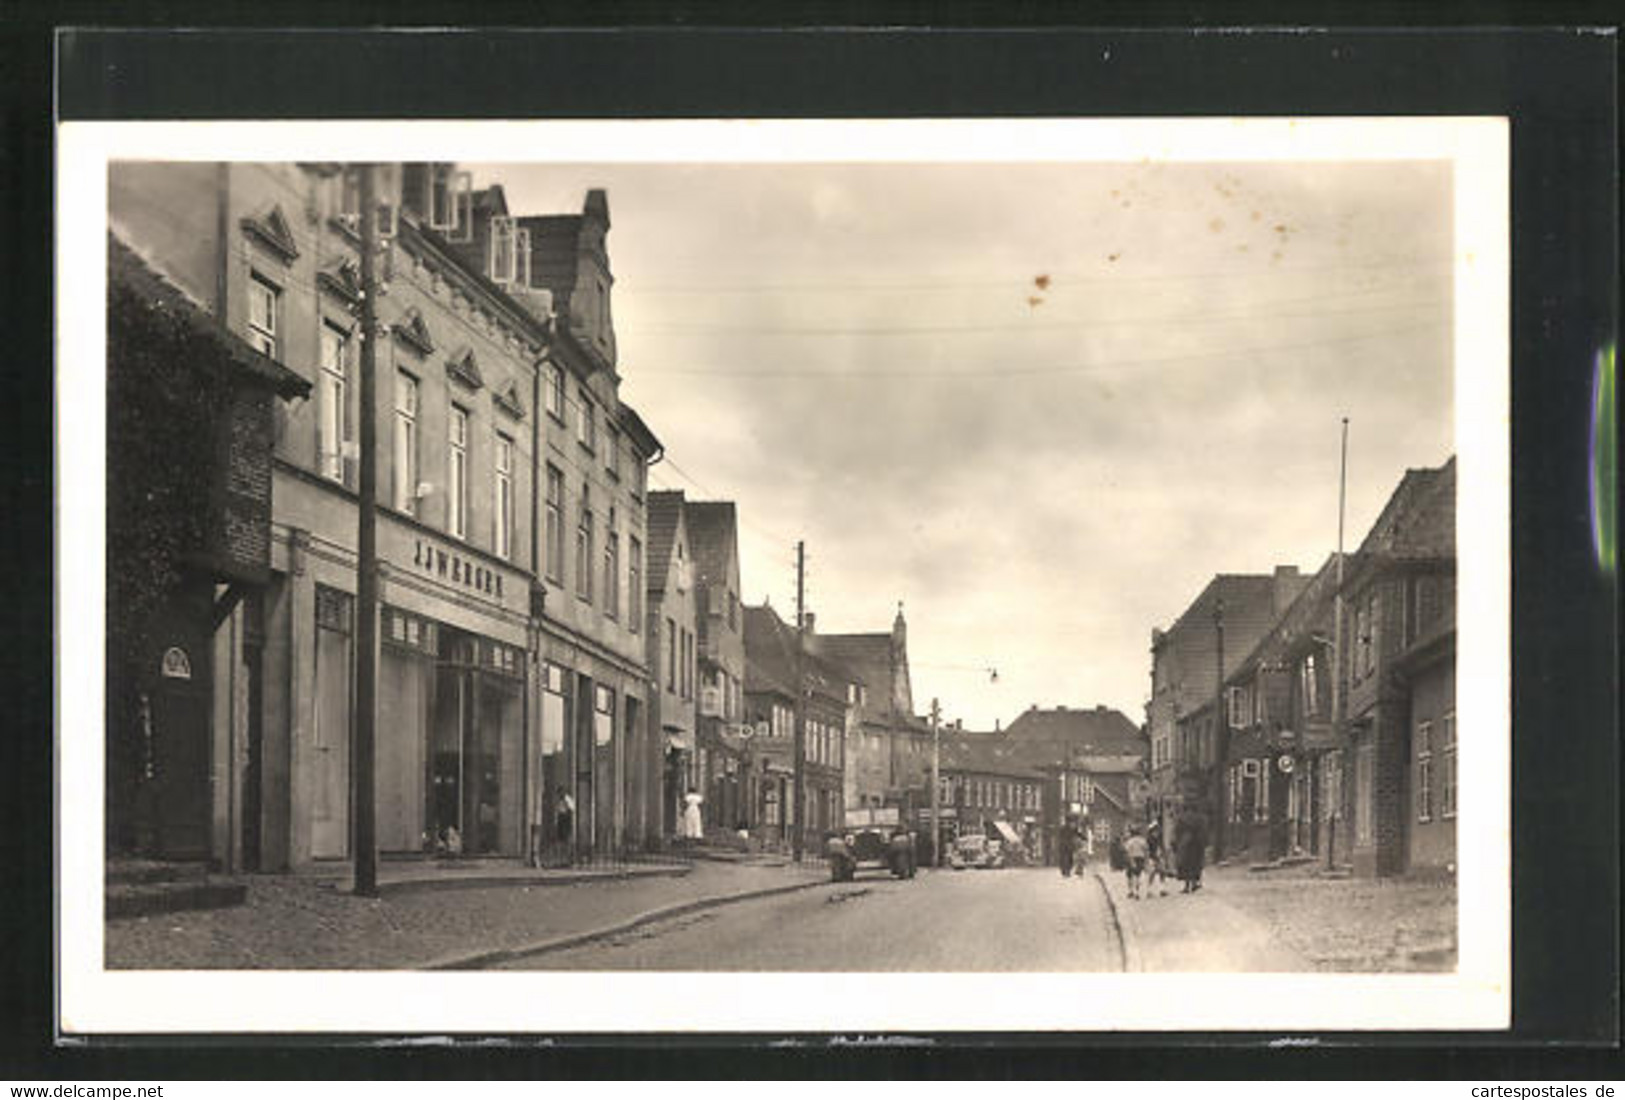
pixel 1283 763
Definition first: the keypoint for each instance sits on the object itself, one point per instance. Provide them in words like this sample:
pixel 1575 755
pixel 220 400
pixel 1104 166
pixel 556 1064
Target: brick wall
pixel 245 531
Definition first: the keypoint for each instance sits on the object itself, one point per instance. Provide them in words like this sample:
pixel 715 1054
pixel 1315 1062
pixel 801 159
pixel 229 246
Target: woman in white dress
pixel 692 828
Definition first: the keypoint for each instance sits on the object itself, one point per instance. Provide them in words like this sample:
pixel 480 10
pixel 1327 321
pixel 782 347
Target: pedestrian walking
pixel 693 827
pixel 1066 845
pixel 1156 873
pixel 1190 849
pixel 1135 854
pixel 564 819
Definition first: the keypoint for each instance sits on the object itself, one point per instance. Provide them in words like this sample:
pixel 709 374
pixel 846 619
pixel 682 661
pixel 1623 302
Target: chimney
pixel 959 723
pixel 1285 588
pixel 807 620
pixel 997 726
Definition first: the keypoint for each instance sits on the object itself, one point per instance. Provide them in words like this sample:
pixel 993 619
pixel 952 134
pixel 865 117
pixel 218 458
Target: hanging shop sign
pixel 452 567
pixel 1283 763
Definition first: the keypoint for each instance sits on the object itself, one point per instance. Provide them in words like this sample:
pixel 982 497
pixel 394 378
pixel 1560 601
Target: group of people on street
pixel 1143 859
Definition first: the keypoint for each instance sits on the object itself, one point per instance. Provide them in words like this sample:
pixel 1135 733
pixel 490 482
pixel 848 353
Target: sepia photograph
pixel 788 575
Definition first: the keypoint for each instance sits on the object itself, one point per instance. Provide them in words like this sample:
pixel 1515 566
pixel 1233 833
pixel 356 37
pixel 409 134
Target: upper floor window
pixel 612 452
pixel 634 583
pixel 671 654
pixel 555 525
pixel 612 567
pixel 457 473
pixel 510 252
pixel 1424 771
pixel 406 442
pixel 1422 606
pixel 733 611
pixel 264 308
pixel 587 423
pixel 1238 700
pixel 1309 685
pixel 1365 635
pixel 584 547
pixel 553 392
pixel 332 401
pixel 503 467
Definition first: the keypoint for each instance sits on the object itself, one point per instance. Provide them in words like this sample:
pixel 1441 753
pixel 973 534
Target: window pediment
pixel 271 229
pixel 342 279
pixel 465 369
pixel 507 399
pixel 413 332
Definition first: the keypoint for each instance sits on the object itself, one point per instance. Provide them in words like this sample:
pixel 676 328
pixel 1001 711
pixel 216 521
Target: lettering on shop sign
pixel 455 569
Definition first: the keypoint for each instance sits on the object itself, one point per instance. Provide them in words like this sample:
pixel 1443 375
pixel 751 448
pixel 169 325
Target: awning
pixel 679 741
pixel 1006 833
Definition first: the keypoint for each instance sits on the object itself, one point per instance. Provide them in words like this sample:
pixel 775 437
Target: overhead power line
pixel 1019 281
pixel 1008 370
pixel 1254 316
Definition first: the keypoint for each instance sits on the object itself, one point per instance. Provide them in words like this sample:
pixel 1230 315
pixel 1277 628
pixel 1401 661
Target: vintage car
pixel 976 850
pixel 870 841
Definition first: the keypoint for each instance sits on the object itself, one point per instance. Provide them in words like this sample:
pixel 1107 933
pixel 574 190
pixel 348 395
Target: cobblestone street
pixel 1293 920
pixel 291 922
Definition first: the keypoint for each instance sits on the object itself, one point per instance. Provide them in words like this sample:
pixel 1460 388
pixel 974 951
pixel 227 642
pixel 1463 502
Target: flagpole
pixel 1337 643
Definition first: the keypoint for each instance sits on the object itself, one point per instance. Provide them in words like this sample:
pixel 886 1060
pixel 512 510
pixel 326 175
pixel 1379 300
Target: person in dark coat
pixel 1190 849
pixel 1066 845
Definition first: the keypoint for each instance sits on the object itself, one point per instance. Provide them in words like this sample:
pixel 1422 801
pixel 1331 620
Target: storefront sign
pixel 453 568
pixel 176 664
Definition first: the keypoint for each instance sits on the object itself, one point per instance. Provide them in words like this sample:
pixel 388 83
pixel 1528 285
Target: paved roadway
pixel 974 920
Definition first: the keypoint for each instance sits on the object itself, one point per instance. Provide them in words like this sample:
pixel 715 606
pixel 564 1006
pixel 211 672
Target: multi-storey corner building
pixel 717 647
pixel 772 671
pixel 1282 781
pixel 889 747
pixel 1399 627
pixel 1185 676
pixel 510 529
pixel 671 617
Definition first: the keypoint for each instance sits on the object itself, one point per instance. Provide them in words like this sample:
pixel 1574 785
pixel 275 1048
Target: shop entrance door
pixel 180 806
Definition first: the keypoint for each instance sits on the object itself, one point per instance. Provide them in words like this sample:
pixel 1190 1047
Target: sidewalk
pixel 1290 920
pixel 1192 933
pixel 310 922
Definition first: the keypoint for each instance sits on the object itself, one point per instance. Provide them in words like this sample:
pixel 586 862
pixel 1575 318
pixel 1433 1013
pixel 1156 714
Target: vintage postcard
pixel 903 576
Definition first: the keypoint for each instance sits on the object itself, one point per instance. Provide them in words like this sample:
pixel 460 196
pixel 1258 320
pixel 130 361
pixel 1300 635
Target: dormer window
pixel 449 203
pixel 510 252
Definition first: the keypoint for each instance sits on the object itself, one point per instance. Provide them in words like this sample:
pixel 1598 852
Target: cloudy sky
pixel 1039 404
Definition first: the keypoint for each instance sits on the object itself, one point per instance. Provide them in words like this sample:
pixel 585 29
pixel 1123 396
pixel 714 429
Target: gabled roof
pixel 992 753
pixel 1050 735
pixel 713 533
pixel 1309 614
pixel 127 271
pixel 770 658
pixel 663 523
pixel 1419 520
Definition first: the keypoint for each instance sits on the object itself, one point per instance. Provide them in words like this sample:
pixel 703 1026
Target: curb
pixel 404 886
pixel 485 959
pixel 1127 933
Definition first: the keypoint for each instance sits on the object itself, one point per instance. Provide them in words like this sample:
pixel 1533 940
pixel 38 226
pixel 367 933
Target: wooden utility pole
pixel 936 784
pixel 1221 736
pixel 799 816
pixel 1335 809
pixel 363 768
